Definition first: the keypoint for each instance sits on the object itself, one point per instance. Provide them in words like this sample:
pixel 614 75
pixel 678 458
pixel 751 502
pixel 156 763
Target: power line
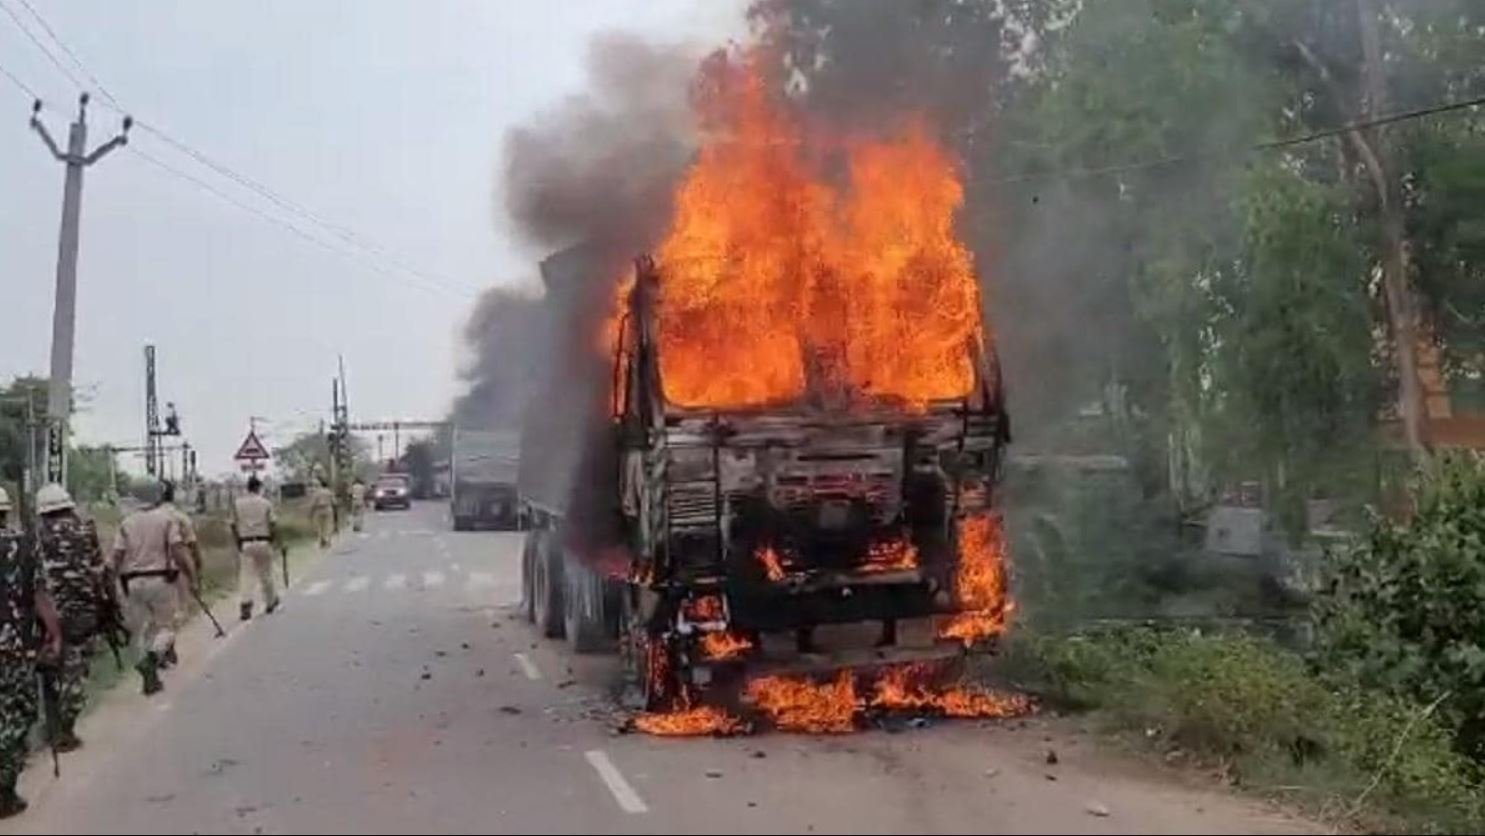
pixel 14 79
pixel 279 221
pixel 240 179
pixel 294 208
pixel 56 62
pixel 1270 145
pixel 46 27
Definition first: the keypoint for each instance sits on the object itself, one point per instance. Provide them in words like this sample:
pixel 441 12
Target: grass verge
pixel 1266 720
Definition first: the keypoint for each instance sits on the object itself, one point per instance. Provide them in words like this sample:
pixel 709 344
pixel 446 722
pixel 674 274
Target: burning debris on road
pixel 840 704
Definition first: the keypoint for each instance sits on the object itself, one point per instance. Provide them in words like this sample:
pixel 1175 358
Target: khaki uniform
pixel 143 556
pixel 183 597
pixel 322 511
pixel 358 505
pixel 254 519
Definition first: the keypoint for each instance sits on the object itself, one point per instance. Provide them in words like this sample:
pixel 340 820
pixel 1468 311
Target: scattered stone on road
pixel 1052 757
pixel 509 709
pixel 714 773
pixel 1097 808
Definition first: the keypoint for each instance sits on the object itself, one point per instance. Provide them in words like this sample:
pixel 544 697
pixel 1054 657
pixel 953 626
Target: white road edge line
pixel 629 800
pixel 528 667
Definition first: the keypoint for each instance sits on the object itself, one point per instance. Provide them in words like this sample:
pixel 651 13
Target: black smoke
pixel 586 184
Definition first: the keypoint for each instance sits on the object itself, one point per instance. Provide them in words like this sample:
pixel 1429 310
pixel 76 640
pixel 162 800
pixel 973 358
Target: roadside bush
pixel 1267 719
pixel 1404 610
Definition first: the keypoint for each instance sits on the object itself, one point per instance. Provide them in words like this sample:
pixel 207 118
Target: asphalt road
pixel 397 693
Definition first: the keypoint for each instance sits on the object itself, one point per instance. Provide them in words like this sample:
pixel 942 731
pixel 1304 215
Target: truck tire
pixel 528 585
pixel 585 609
pixel 461 523
pixel 546 587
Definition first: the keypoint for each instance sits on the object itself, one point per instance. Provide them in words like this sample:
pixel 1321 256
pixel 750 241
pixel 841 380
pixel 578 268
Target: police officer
pixel 358 504
pixel 256 528
pixel 76 579
pixel 23 599
pixel 148 555
pixel 193 546
pixel 322 511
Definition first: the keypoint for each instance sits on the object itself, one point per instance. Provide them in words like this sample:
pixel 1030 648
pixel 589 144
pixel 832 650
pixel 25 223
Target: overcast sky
pixel 382 116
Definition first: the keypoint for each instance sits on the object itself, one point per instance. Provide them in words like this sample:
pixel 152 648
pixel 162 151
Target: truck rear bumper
pixel 838 600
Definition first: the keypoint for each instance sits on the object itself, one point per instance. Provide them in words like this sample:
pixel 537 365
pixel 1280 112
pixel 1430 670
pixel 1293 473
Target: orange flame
pixel 776 282
pixel 805 706
pixel 908 688
pixel 773 565
pixel 690 722
pixel 704 608
pixel 834 707
pixel 891 556
pixel 724 645
pixel 980 582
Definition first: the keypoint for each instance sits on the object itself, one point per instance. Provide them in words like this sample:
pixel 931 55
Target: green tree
pixel 308 456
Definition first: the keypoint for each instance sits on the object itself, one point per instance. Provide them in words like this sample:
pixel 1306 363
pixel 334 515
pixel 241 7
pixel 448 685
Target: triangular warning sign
pixel 251 450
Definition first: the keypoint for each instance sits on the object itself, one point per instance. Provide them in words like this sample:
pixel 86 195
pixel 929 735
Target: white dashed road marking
pixel 395 581
pixel 629 800
pixel 528 667
pixel 432 579
pixel 316 588
pixel 357 583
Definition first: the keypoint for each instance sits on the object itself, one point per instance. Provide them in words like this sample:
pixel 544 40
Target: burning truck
pixel 785 498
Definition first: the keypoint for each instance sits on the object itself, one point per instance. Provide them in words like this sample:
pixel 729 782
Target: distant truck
pixel 483 479
pixel 710 545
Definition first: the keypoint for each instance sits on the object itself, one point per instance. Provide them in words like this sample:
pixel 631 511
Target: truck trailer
pixel 483 468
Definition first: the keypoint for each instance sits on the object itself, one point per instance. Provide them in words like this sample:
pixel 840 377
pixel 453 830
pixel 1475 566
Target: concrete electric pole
pixel 59 388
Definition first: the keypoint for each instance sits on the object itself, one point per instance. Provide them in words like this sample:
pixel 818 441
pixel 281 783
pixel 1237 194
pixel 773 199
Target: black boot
pixel 149 674
pixel 67 740
pixel 10 803
pixel 245 611
pixel 168 658
pixel 272 605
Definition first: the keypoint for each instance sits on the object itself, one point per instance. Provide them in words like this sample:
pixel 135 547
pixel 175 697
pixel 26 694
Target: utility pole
pixel 154 452
pixel 151 414
pixel 64 313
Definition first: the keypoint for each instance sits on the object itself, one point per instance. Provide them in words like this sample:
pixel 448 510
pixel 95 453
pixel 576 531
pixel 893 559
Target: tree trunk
pixel 1401 311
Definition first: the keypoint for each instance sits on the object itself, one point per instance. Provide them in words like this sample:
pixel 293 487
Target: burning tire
pixel 649 661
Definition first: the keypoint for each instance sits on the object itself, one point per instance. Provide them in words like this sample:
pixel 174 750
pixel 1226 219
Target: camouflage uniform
pixel 73 573
pixel 19 583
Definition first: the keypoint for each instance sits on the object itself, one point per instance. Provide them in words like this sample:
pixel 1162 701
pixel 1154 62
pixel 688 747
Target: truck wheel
pixel 584 608
pixel 528 585
pixel 461 523
pixel 547 588
pixel 651 683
